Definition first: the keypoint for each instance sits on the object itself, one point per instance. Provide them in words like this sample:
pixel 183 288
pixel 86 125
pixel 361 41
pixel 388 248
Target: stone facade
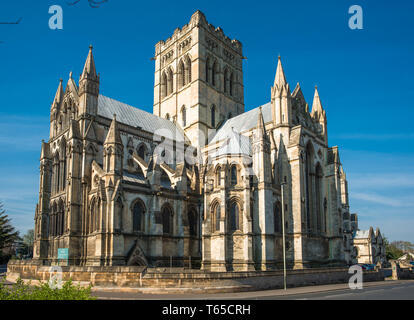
pixel 369 246
pixel 199 181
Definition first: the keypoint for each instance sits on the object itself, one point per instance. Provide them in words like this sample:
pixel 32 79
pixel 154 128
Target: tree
pixel 8 235
pixel 392 251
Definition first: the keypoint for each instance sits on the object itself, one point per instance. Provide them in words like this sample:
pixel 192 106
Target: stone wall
pixel 180 278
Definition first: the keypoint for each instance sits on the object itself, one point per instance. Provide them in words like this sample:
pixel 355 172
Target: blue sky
pixel 364 77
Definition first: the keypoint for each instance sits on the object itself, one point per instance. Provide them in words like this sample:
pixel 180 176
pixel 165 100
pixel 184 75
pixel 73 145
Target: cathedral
pixel 199 183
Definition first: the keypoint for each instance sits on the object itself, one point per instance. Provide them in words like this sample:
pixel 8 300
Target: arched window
pixel 167 220
pixel 163 84
pixel 192 222
pixel 207 70
pixel 181 74
pixel 218 176
pixel 231 86
pixel 57 177
pixel 318 187
pixel 52 220
pixel 170 82
pixel 277 216
pixel 308 186
pixel 234 217
pixel 138 216
pixel 61 218
pixel 216 217
pixel 187 74
pixel 233 175
pixel 214 70
pixel 184 116
pixel 226 80
pixel 213 115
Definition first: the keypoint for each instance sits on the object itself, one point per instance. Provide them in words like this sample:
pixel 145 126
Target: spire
pixel 113 136
pixel 59 94
pixel 317 105
pixel 89 68
pixel 260 123
pixel 280 78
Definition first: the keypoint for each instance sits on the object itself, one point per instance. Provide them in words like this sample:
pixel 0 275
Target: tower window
pixel 181 74
pixel 233 175
pixel 234 217
pixel 163 85
pixel 213 115
pixel 226 80
pixel 170 82
pixel 207 70
pixel 184 116
pixel 214 73
pixel 217 215
pixel 231 84
pixel 187 74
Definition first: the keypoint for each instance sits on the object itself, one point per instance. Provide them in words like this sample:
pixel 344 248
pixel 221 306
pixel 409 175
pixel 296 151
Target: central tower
pixel 198 78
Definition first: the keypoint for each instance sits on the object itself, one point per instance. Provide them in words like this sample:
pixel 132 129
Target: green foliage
pixel 8 235
pixel 43 291
pixel 392 251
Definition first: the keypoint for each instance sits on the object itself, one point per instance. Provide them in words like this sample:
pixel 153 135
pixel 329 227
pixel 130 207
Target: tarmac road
pixel 383 290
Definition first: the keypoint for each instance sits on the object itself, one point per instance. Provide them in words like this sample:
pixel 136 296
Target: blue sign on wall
pixel 63 253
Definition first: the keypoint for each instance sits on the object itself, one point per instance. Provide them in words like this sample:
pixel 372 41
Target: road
pixel 384 290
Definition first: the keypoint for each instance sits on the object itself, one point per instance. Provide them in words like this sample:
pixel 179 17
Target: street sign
pixel 63 253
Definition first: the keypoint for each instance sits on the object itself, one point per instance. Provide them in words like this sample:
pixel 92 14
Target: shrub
pixel 43 291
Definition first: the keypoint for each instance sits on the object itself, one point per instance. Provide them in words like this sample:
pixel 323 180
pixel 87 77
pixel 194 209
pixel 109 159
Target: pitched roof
pixel 362 234
pixel 135 117
pixel 243 122
pixel 235 144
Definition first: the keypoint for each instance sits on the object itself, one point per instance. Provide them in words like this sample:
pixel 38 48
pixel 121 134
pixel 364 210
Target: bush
pixel 22 291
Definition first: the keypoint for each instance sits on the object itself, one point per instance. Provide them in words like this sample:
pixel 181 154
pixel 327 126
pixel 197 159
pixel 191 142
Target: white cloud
pixel 382 180
pixel 384 200
pixel 375 136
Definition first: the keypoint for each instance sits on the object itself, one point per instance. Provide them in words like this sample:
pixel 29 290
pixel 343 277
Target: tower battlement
pixel 198 19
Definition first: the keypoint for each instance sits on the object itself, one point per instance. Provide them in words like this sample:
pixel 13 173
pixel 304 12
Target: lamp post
pixel 283 233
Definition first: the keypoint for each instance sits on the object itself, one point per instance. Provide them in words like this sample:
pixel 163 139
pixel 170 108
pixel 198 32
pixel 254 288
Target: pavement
pixel 381 290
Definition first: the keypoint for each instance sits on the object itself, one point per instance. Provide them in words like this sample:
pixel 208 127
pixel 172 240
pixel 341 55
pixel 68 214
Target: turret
pixel 113 150
pixel 319 115
pixel 261 152
pixel 281 98
pixel 88 87
pixel 57 101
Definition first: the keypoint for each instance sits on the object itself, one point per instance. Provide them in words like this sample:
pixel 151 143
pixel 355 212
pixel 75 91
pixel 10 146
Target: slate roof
pixel 361 234
pixel 235 144
pixel 243 122
pixel 135 117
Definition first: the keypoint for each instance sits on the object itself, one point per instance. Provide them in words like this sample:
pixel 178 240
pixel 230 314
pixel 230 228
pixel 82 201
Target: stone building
pixel 199 181
pixel 369 246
